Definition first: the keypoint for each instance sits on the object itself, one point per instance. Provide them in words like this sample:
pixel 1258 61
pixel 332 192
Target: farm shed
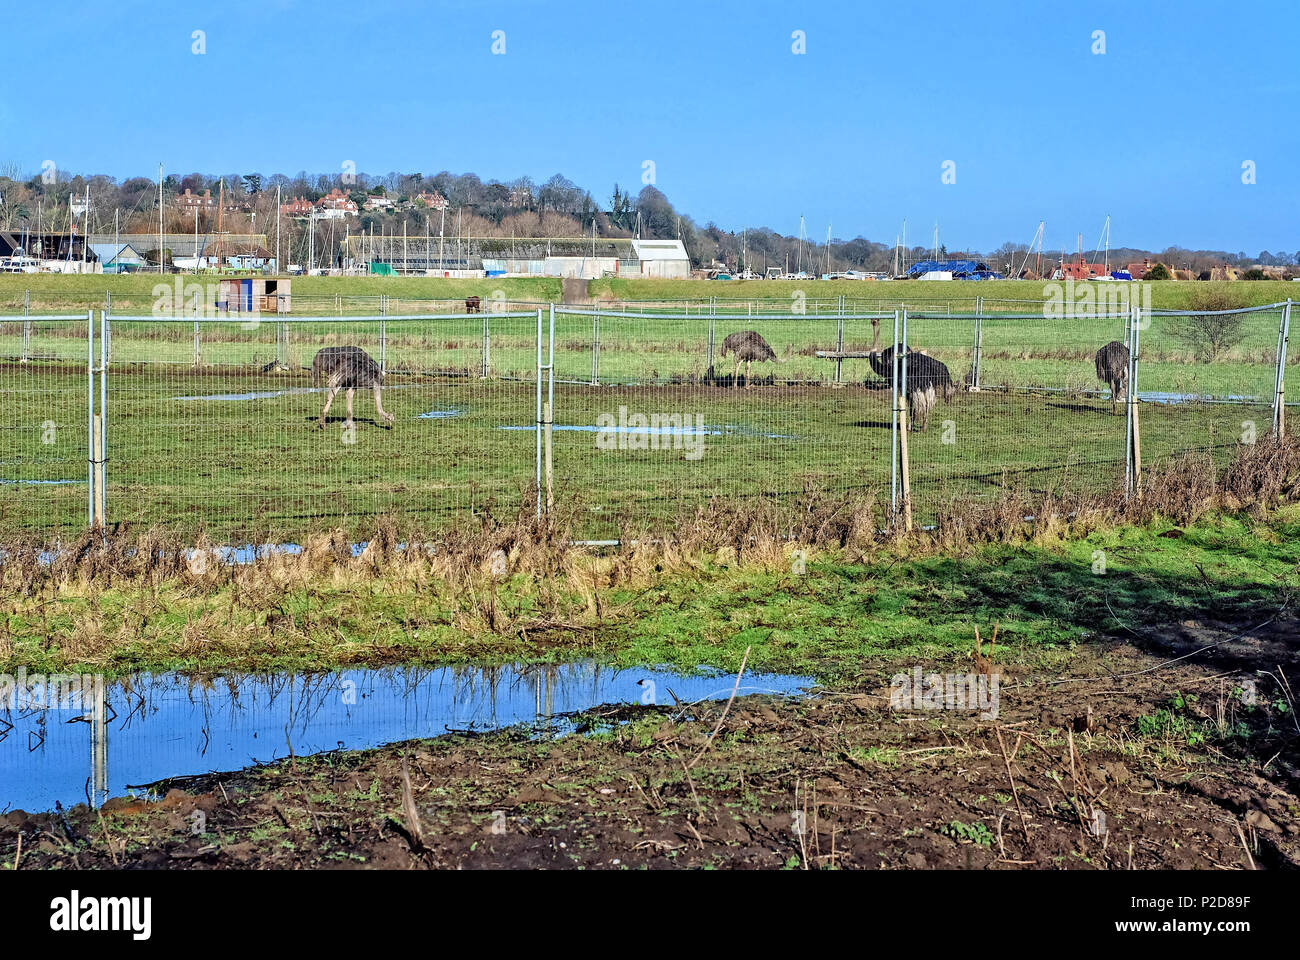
pixel 254 295
pixel 47 246
pixel 661 259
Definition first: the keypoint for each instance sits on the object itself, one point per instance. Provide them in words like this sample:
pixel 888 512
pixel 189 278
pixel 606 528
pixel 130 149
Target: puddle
pixel 256 395
pixel 38 483
pixel 288 391
pixel 1159 397
pixel 726 430
pixel 438 415
pixel 167 725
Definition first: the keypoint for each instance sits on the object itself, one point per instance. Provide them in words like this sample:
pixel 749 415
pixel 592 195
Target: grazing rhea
pixel 927 378
pixel 350 369
pixel 748 346
pixel 1112 370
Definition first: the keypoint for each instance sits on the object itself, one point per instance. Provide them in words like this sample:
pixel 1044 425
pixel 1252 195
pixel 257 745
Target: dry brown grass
pixel 471 559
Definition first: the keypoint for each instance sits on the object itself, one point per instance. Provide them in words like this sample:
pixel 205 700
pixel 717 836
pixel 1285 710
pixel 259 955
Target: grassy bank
pixel 822 612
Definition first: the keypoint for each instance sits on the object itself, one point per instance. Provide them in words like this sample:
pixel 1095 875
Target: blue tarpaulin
pixel 960 269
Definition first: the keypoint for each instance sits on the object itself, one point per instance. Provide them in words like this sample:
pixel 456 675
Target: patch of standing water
pixel 438 415
pixel 38 483
pixel 158 726
pixel 256 395
pixel 288 391
pixel 1160 397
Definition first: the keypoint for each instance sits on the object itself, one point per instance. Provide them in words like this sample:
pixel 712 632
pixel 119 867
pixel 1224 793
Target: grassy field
pixel 232 448
pixel 239 454
pixel 325 295
pixel 1015 352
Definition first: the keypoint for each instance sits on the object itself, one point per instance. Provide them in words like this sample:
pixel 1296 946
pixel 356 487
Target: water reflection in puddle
pixel 166 725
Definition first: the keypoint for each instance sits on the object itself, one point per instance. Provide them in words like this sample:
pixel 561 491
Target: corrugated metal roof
pixel 659 250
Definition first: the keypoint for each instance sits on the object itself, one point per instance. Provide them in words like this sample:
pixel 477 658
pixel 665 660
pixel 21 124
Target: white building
pixel 661 259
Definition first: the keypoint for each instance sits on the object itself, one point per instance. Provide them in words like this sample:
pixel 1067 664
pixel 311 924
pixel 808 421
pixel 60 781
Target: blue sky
pixel 742 131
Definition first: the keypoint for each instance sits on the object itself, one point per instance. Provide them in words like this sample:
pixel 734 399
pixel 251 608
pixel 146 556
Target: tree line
pixel 519 208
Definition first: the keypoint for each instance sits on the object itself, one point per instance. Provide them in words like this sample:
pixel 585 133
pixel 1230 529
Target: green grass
pixel 1166 294
pixel 181 456
pixel 133 293
pixel 833 621
pixel 239 467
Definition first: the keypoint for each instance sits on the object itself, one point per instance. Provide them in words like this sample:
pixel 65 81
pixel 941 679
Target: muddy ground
pixel 1118 760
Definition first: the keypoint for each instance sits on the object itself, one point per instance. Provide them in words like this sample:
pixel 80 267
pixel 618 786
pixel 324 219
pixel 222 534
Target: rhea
pixel 749 347
pixel 927 378
pixel 350 369
pixel 1112 370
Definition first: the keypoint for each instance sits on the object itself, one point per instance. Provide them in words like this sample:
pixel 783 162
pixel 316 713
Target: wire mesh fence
pixel 44 435
pixel 218 423
pixel 1208 379
pixel 238 442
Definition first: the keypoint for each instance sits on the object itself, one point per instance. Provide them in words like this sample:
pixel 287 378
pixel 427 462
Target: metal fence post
pixel 101 484
pixel 1279 393
pixel 839 342
pixel 979 343
pixel 90 418
pixel 198 353
pixel 538 465
pixel 595 350
pixel 904 422
pixel 383 336
pixel 550 414
pixel 27 326
pixel 893 406
pixel 1132 431
pixel 712 337
pixel 487 347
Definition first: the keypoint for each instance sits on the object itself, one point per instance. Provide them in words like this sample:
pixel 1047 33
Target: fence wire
pixel 213 423
pixel 228 436
pixel 44 435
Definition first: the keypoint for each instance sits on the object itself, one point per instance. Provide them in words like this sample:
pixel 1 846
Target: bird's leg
pixel 380 407
pixel 749 364
pixel 329 398
pixel 735 380
pixel 351 393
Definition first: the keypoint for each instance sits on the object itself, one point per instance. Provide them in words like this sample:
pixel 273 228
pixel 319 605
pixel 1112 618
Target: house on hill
pixel 336 205
pixel 297 207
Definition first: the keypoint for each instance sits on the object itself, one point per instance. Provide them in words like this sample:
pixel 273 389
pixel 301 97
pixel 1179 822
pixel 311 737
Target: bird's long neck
pixel 877 364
